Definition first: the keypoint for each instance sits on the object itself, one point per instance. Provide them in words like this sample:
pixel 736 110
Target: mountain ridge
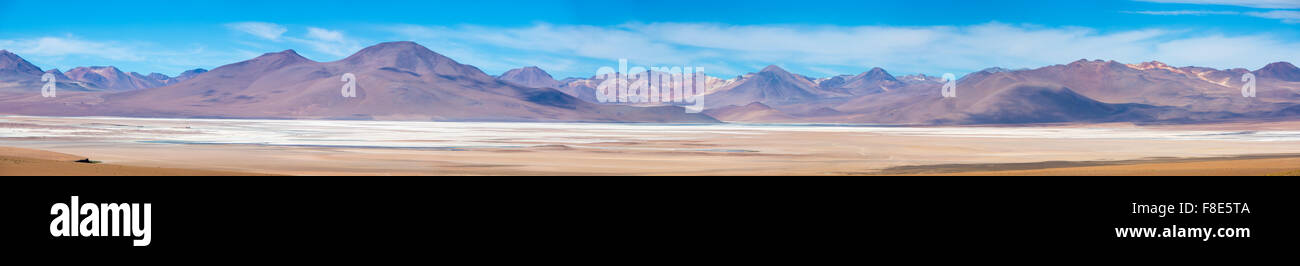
pixel 407 81
pixel 393 81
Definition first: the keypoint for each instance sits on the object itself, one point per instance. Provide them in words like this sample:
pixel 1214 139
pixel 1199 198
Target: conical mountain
pixel 12 64
pixel 530 77
pixel 57 74
pixel 772 86
pixel 1279 70
pixel 104 77
pixel 409 57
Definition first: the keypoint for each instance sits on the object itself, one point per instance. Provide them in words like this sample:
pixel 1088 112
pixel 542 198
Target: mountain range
pixel 1081 91
pixel 406 81
pixel 393 81
pixel 17 75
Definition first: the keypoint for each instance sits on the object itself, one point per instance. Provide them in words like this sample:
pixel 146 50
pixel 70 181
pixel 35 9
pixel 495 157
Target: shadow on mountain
pixel 1037 103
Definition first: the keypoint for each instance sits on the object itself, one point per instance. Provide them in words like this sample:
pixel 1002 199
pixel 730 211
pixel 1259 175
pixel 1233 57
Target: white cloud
pixel 71 46
pixel 1245 3
pixel 848 49
pixel 269 31
pixel 1184 13
pixel 324 34
pixel 326 41
pixel 1249 51
pixel 65 52
pixel 1286 16
pixel 1289 17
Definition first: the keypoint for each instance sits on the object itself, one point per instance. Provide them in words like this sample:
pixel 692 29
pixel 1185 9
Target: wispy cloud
pixel 725 49
pixel 1184 13
pixel 1289 17
pixel 1281 4
pixel 324 34
pixel 326 41
pixel 70 45
pixel 65 52
pixel 1286 16
pixel 848 49
pixel 269 31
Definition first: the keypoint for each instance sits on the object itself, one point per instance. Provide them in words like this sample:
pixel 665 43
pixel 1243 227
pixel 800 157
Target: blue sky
pixel 574 38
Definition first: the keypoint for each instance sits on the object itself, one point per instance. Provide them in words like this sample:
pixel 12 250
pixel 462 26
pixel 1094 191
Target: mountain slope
pixel 772 86
pixel 753 112
pixel 12 64
pixel 876 80
pixel 112 79
pixel 1046 104
pixel 405 81
pixel 585 88
pixel 394 81
pixel 18 76
pixel 530 77
pixel 1280 70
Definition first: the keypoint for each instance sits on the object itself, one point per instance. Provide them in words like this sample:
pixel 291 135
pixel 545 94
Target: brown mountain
pixel 876 80
pixel 753 112
pixel 1029 103
pixel 12 64
pixel 1094 91
pixel 58 75
pixel 998 100
pixel 110 78
pixel 1157 84
pixel 189 74
pixel 803 97
pixel 773 86
pixel 1281 70
pixel 530 77
pixel 218 86
pixel 394 81
pixel 585 88
pixel 405 81
pixel 164 80
pixel 18 76
pixel 159 77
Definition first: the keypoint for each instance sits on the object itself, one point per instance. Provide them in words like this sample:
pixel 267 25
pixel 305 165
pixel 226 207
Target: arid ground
pixel 136 146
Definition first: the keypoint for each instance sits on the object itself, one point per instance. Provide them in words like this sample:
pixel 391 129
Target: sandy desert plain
pixel 145 146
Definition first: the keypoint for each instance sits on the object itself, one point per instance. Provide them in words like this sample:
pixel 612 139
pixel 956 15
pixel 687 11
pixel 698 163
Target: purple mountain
pixel 530 77
pixel 393 81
